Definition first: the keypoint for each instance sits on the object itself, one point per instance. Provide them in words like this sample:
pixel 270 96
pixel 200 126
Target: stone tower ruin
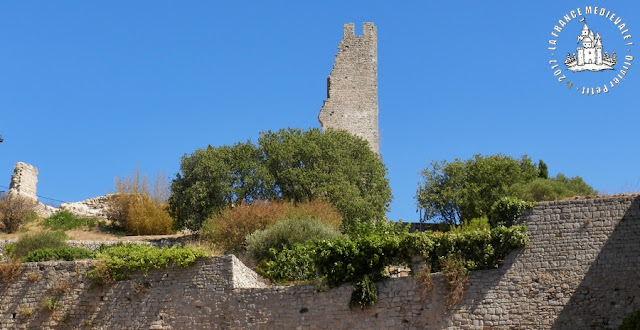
pixel 24 180
pixel 352 86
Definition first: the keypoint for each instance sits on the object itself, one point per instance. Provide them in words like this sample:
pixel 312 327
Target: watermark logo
pixel 599 59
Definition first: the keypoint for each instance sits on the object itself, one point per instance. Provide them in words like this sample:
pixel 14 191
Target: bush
pixel 65 253
pixel 506 210
pixel 119 261
pixel 365 293
pixel 631 322
pixel 65 220
pixel 28 243
pixel 139 209
pixel 552 189
pixel 455 275
pixel 371 248
pixel 284 234
pixel 295 264
pixel 15 209
pixel 474 224
pixel 229 228
pixel 9 270
pixel 139 214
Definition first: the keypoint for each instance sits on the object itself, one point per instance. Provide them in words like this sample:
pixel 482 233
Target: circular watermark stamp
pixel 591 50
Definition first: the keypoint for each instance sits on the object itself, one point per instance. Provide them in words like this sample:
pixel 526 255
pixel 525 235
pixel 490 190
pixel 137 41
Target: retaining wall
pixel 580 271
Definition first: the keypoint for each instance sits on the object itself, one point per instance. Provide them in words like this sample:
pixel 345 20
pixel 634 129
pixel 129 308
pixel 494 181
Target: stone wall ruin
pixel 24 180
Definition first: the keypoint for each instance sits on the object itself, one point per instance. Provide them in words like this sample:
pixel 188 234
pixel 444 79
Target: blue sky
pixel 90 89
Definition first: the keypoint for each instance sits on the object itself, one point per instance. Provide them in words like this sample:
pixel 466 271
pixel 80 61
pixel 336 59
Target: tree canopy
pixel 289 164
pixel 465 189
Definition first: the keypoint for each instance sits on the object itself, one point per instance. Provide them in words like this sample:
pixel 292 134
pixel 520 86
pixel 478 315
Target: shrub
pixel 369 250
pixel 229 228
pixel 139 214
pixel 119 261
pixel 15 209
pixel 552 189
pixel 318 209
pixel 138 208
pixel 506 210
pixel 9 270
pixel 365 293
pixel 60 253
pixel 50 303
pixel 285 233
pixel 65 220
pixel 27 243
pixel 631 322
pixel 455 275
pixel 474 224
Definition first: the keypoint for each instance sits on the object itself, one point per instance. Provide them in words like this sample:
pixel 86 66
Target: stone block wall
pixel 580 271
pixel 352 86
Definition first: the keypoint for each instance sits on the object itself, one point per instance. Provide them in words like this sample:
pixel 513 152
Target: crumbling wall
pixel 96 207
pixel 24 180
pixel 352 86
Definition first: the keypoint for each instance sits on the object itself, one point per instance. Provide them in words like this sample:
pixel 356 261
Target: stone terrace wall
pixel 580 271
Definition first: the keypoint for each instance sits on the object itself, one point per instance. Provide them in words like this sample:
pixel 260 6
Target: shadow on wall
pixel 610 290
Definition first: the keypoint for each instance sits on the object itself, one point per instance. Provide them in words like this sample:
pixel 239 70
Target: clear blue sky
pixel 89 89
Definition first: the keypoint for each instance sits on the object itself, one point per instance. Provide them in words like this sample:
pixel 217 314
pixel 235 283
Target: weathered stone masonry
pixel 580 271
pixel 352 86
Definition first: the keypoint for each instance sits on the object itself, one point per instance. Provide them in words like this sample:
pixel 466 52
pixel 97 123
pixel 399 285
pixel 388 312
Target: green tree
pixel 334 165
pixel 214 178
pixel 463 190
pixel 289 164
pixel 543 171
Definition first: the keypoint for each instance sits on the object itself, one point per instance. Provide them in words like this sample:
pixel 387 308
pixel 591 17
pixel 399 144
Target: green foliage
pixel 50 303
pixel 552 189
pixel 543 170
pixel 463 190
pixel 371 248
pixel 214 178
pixel 60 253
pixel 15 209
pixel 474 224
pixel 365 293
pixel 506 210
pixel 27 243
pixel 631 322
pixel 335 165
pixel 295 264
pixel 65 220
pixel 284 234
pixel 288 164
pixel 119 261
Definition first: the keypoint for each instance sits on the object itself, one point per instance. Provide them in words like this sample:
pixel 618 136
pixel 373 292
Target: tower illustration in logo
pixel 590 55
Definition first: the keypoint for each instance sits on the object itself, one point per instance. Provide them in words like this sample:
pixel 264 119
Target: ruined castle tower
pixel 24 180
pixel 352 86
